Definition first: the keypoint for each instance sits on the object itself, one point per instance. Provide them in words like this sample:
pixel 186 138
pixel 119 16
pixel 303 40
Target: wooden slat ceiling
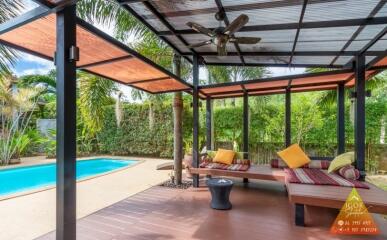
pixel 278 85
pixel 98 55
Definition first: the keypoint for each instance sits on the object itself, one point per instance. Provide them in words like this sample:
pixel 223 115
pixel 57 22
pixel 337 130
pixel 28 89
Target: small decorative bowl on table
pixel 220 189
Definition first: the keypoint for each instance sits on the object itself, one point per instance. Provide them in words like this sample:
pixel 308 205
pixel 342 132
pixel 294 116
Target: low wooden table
pixel 220 189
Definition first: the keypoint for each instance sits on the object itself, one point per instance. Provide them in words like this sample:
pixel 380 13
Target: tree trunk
pixel 151 116
pixel 178 137
pixel 177 127
pixel 382 130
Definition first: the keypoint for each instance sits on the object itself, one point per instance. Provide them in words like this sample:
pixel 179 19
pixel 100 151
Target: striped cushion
pixel 349 172
pixel 320 177
pixel 232 167
pixel 208 159
pixel 318 164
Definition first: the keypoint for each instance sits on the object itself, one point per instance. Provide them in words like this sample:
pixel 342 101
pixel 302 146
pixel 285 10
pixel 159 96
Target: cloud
pixel 29 64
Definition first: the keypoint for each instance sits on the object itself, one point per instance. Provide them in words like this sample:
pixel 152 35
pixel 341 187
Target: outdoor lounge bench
pixel 302 195
pixel 261 172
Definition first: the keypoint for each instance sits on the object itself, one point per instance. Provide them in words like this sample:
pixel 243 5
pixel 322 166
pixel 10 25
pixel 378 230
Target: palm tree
pixel 148 44
pixel 220 74
pixel 94 93
pixel 8 10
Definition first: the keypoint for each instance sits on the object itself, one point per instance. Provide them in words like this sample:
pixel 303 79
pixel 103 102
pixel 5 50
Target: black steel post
pixel 360 114
pixel 288 110
pixel 246 129
pixel 209 124
pixel 195 113
pixel 66 125
pixel 340 118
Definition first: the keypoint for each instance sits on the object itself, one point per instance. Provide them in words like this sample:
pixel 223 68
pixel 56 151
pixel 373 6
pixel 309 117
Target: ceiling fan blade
pixel 237 24
pixel 245 40
pixel 199 28
pixel 195 45
pixel 222 51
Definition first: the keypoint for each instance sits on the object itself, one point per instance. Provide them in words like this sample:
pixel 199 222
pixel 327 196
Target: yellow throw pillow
pixel 224 156
pixel 294 157
pixel 341 161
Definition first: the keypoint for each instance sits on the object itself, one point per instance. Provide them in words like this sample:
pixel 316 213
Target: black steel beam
pixel 340 130
pixel 287 26
pixel 360 79
pixel 161 18
pixel 149 80
pixel 274 65
pixel 373 41
pixel 377 8
pixel 22 49
pixel 296 53
pixel 23 19
pixel 209 122
pixel 124 47
pixel 376 60
pixel 298 30
pixel 227 22
pixel 303 85
pixel 251 5
pixel 246 125
pixel 44 3
pixel 279 78
pixel 66 125
pixel 152 29
pixel 195 116
pixel 95 64
pixel 288 111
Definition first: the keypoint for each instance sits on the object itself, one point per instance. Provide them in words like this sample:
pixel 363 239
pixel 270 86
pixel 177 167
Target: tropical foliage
pixel 8 10
pixel 16 110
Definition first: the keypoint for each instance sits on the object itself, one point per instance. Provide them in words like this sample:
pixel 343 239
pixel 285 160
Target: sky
pixel 28 64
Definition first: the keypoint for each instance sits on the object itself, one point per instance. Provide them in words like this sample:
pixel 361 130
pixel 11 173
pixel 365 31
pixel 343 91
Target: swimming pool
pixel 27 178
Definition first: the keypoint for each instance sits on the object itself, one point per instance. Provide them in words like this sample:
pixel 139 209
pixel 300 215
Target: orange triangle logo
pixel 354 218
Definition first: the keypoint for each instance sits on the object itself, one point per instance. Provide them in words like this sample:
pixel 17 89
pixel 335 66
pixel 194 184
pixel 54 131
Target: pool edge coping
pixel 42 189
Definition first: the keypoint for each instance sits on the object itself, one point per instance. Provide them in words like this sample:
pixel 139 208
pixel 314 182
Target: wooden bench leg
pixel 300 214
pixel 245 180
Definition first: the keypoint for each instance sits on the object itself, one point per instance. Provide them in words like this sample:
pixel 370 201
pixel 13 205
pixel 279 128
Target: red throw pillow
pixel 349 172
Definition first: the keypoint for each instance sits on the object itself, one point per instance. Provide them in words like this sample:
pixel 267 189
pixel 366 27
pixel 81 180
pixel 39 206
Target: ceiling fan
pixel 220 36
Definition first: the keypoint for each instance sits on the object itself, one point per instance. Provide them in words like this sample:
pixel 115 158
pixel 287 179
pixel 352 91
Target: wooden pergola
pixel 348 36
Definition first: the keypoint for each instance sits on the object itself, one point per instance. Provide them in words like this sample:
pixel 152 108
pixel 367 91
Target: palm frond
pixel 95 93
pixel 110 14
pixel 8 9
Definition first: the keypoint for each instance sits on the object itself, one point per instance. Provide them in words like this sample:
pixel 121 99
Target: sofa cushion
pixel 294 156
pixel 231 167
pixel 349 172
pixel 238 158
pixel 341 161
pixel 224 156
pixel 318 164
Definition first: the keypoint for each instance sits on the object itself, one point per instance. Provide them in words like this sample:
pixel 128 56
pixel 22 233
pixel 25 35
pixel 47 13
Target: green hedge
pixel 135 137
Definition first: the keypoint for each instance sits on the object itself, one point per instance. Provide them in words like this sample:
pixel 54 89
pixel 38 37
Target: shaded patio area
pixel 259 210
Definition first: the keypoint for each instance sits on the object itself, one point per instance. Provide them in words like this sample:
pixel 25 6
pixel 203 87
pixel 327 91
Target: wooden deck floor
pixel 260 211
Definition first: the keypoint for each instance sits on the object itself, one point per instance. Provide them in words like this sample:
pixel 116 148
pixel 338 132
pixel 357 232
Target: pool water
pixel 20 179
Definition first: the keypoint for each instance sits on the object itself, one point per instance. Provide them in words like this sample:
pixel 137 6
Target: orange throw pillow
pixel 294 156
pixel 224 156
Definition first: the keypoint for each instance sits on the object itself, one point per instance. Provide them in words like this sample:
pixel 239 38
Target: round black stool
pixel 220 189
